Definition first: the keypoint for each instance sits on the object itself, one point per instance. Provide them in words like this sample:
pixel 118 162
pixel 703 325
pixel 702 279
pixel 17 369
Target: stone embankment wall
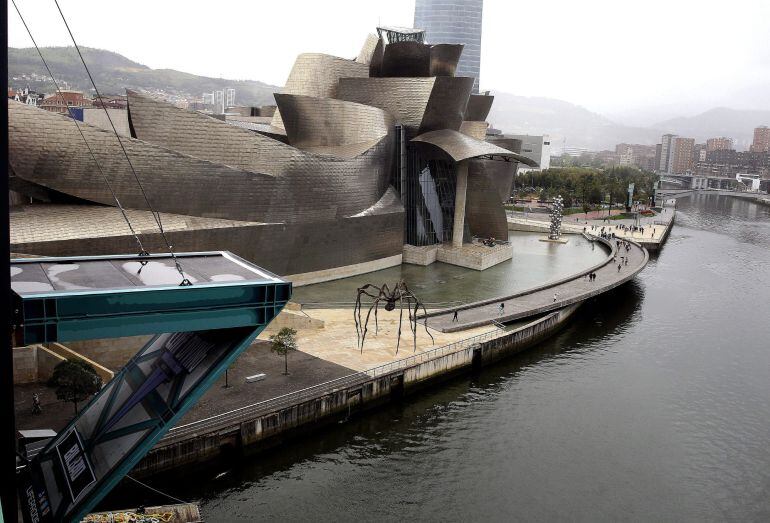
pixel 33 364
pixel 259 431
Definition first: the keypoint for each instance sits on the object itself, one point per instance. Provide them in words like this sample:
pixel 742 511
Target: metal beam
pixel 8 442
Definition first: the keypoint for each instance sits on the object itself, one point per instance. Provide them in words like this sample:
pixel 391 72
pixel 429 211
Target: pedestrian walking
pixel 36 408
pixel 555 294
pixel 502 308
pixel 454 317
pixel 618 267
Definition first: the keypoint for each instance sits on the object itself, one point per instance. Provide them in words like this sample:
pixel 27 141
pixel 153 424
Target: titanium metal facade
pixel 362 156
pixel 454 22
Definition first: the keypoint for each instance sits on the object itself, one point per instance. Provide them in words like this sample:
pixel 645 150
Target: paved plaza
pixel 336 341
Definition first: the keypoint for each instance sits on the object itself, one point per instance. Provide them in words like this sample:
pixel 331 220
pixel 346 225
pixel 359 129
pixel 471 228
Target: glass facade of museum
pixel 429 199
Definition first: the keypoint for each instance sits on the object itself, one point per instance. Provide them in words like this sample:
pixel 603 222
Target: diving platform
pixel 205 309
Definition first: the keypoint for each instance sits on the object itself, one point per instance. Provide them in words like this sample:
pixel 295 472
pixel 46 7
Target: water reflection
pixel 533 263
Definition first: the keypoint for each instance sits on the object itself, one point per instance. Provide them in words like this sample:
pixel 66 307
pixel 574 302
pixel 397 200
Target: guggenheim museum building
pixel 366 163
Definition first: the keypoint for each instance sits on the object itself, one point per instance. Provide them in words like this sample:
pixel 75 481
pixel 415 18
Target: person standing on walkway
pixel 36 408
pixel 454 317
pixel 502 308
pixel 618 267
pixel 555 294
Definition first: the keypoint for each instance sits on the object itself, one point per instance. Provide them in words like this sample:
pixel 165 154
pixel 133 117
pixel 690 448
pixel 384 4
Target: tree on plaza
pixel 75 381
pixel 283 343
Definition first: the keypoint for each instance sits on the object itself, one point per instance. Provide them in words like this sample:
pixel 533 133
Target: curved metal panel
pixel 461 147
pixel 197 166
pixel 477 130
pixel 446 106
pixel 389 203
pixel 512 144
pixel 489 184
pixel 367 50
pixel 479 106
pixel 421 104
pixel 329 126
pixel 316 74
pixel 444 59
pixel 406 59
pixel 375 65
pixel 404 98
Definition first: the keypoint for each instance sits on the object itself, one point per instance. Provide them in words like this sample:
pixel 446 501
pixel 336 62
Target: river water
pixel 653 404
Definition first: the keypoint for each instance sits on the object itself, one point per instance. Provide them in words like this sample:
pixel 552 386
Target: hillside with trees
pixel 115 73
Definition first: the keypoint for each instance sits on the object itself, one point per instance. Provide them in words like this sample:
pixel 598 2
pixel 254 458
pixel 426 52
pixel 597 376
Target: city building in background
pixel 761 143
pixel 454 22
pixel 682 155
pixel 717 158
pixel 699 152
pixel 219 102
pixel 636 155
pixel 61 101
pixel 719 144
pixel 535 147
pixel 26 96
pixel 216 102
pixel 664 153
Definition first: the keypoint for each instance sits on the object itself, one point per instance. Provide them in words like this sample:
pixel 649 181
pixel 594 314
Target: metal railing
pixel 351 304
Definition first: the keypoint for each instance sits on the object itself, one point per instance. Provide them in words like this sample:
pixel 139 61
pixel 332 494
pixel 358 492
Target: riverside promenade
pixel 610 273
pixel 656 228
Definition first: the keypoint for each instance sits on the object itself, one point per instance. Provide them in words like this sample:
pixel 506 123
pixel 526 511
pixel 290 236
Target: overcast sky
pixel 611 56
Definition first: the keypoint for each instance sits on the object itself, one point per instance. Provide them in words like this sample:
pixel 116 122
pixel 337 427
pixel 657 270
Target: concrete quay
pixel 265 424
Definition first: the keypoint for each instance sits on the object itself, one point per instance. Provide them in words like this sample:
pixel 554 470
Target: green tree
pixel 283 343
pixel 75 380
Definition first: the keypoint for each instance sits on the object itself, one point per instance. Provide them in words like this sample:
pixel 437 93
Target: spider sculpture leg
pixel 401 297
pixel 413 321
pixel 376 325
pixel 357 308
pixel 400 317
pixel 418 303
pixel 368 314
pixel 424 319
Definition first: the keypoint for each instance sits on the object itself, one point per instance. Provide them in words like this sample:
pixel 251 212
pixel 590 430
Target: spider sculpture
pixel 399 295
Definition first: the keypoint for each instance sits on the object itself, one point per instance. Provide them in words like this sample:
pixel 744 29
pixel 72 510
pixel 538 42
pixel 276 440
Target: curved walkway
pixel 548 297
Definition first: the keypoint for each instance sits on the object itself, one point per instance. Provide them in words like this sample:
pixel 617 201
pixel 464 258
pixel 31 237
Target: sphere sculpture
pixel 556 215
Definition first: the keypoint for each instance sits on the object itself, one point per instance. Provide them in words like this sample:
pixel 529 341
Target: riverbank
pixel 263 425
pixel 383 372
pixel 656 228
